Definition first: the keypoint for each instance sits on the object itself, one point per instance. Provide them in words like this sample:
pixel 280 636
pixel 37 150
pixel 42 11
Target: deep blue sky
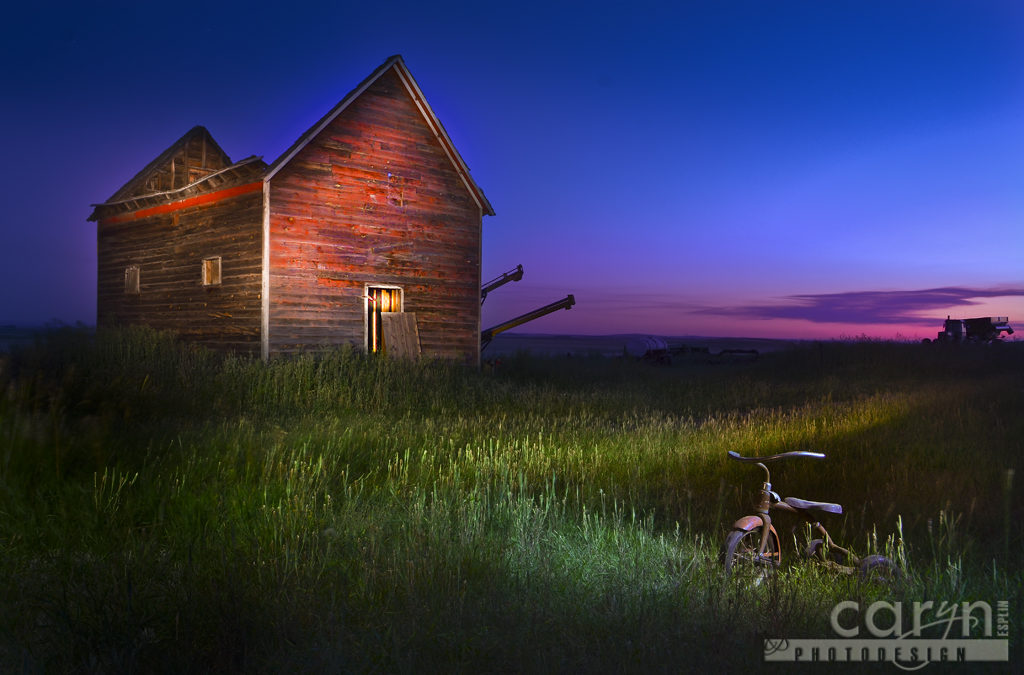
pixel 736 168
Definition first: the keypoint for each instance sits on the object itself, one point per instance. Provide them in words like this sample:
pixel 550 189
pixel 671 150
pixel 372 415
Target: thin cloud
pixel 875 307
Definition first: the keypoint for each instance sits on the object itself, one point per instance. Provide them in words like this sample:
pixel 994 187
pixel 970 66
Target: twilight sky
pixel 741 168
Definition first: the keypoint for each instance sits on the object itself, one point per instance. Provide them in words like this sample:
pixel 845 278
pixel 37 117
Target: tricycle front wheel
pixel 740 555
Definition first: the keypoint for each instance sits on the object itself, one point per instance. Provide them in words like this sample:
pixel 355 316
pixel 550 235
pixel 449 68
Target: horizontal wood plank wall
pixel 373 199
pixel 168 250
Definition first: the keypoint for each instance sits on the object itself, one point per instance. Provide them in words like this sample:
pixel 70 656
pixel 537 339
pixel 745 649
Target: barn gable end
pixel 373 196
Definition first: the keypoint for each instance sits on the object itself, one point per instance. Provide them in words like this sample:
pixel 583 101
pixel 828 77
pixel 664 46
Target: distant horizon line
pixel 56 324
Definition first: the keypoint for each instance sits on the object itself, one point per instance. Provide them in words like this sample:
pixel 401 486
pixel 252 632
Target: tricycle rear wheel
pixel 878 568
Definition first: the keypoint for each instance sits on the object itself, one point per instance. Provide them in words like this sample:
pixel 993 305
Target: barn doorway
pixel 379 299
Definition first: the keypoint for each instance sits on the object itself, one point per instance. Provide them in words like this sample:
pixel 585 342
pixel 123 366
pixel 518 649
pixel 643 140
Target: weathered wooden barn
pixel 369 220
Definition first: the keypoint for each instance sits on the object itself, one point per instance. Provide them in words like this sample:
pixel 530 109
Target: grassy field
pixel 165 509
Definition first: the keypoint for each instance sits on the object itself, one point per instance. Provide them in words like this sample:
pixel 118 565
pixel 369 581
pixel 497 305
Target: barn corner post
pixel 479 284
pixel 265 276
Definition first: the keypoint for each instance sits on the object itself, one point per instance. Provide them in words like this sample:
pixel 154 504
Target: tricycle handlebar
pixel 795 453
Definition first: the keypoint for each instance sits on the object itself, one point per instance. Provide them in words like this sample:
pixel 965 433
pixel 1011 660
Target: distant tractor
pixel 983 329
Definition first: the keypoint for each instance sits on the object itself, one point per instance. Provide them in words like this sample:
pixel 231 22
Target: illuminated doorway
pixel 379 299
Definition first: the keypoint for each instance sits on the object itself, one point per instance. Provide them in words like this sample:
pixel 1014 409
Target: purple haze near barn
pixel 790 169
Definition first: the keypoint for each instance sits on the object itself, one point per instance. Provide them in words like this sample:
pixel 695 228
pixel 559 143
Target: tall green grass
pixel 164 508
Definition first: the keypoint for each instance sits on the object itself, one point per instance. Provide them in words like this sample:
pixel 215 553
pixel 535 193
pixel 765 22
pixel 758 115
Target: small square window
pixel 131 280
pixel 211 271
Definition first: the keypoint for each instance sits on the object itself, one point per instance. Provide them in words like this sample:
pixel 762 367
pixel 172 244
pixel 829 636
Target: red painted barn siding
pixel 169 249
pixel 373 199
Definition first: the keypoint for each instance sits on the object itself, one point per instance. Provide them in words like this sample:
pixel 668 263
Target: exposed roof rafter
pixel 166 156
pixel 249 168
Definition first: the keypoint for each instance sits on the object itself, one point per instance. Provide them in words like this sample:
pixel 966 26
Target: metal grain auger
pixel 515 275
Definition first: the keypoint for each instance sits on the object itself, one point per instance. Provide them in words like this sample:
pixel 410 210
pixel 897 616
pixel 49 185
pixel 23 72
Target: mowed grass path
pixel 165 509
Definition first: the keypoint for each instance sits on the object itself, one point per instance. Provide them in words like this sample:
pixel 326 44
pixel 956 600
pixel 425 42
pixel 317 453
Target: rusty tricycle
pixel 751 549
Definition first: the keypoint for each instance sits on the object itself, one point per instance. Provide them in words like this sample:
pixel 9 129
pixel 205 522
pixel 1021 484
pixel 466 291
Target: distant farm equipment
pixel 658 350
pixel 983 329
pixel 515 275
